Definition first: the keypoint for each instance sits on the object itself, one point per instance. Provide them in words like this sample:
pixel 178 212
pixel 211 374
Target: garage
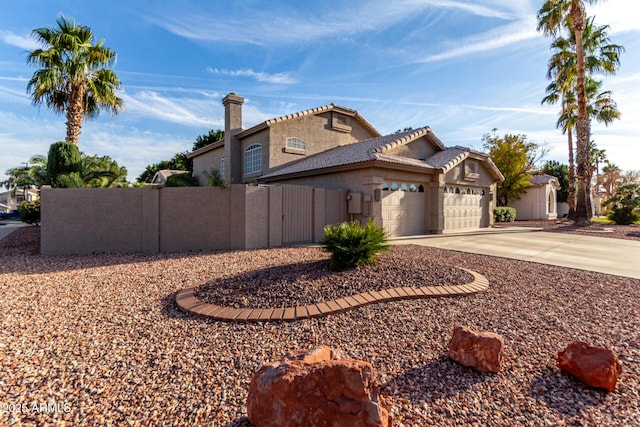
pixel 464 209
pixel 403 208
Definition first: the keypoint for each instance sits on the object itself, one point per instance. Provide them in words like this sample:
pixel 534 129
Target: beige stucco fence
pixel 153 219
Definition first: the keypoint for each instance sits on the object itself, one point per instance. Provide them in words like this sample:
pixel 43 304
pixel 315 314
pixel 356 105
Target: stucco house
pixel 11 199
pixel 160 177
pixel 540 199
pixel 409 182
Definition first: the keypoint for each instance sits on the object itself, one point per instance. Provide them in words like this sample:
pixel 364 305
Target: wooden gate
pixel 297 214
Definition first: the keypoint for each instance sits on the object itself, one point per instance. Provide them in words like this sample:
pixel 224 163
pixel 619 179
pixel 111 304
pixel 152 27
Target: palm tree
pixel 566 121
pixel 570 74
pixel 552 17
pixel 610 179
pixel 97 172
pixel 32 175
pixel 72 78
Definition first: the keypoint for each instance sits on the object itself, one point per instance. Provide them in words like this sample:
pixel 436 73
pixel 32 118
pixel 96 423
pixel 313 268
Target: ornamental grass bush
pixel 30 212
pixel 352 245
pixel 504 214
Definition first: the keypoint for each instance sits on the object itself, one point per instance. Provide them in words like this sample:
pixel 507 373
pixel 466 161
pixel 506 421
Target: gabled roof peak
pixel 311 111
pixel 405 137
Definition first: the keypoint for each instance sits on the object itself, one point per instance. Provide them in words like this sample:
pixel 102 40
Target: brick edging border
pixel 188 303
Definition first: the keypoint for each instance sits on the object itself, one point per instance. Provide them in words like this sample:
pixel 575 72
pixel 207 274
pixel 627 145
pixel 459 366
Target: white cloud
pixel 618 14
pixel 473 8
pixel 280 24
pixel 278 78
pixel 501 37
pixel 184 111
pixel 23 42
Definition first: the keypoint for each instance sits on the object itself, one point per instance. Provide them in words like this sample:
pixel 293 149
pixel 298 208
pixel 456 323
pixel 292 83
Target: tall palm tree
pixel 571 72
pixel 552 17
pixel 567 121
pixel 72 78
pixel 610 179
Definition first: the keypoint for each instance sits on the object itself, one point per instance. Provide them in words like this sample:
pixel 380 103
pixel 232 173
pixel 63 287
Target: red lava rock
pixel 594 366
pixel 316 388
pixel 478 350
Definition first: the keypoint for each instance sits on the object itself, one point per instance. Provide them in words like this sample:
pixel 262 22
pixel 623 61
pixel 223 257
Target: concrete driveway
pixel 601 254
pixel 7 227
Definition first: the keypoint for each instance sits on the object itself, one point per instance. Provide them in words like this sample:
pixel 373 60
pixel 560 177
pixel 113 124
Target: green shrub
pixel 624 204
pixel 214 179
pixel 504 214
pixel 181 180
pixel 352 245
pixel 30 212
pixel 623 216
pixel 64 158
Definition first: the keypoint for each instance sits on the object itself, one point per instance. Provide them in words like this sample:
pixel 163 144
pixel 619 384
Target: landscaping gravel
pixel 100 340
pixel 309 281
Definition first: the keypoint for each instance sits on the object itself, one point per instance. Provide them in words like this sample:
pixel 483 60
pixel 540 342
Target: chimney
pixel 232 149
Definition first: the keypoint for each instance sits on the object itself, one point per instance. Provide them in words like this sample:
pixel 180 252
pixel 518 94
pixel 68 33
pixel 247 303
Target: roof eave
pixel 353 166
pixel 205 149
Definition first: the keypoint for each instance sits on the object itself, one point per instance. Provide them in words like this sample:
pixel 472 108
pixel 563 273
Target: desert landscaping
pixel 101 337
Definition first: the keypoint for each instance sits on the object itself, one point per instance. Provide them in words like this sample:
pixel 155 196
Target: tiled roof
pixel 366 150
pixel 542 179
pixel 376 148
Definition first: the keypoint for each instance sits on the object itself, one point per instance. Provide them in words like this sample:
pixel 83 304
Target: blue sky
pixel 462 67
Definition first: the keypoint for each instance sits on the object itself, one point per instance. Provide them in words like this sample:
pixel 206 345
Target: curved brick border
pixel 187 302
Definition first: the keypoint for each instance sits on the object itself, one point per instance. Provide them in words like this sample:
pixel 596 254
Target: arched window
pixel 253 159
pixel 413 188
pixel 385 186
pixel 457 190
pixel 451 190
pixel 394 186
pixel 296 144
pixel 420 189
pixel 403 187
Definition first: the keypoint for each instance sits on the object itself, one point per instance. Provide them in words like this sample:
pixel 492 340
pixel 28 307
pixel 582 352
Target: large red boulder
pixel 594 366
pixel 478 350
pixel 316 388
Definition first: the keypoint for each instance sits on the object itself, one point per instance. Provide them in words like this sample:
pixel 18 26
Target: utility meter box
pixel 354 203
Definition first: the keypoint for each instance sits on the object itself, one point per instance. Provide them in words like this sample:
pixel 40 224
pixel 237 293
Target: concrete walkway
pixel 8 227
pixel 601 254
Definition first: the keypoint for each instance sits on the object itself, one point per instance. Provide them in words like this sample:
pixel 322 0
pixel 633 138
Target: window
pixel 385 186
pixel 340 123
pixel 253 159
pixel 471 170
pixel 296 144
pixel 403 187
pixel 394 186
pixel 222 167
pixel 420 189
pixel 413 188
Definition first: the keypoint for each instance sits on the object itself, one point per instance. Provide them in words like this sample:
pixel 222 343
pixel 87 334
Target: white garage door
pixel 403 212
pixel 463 209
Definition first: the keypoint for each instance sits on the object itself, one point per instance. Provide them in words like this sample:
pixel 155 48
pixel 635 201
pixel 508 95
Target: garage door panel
pixel 463 211
pixel 403 213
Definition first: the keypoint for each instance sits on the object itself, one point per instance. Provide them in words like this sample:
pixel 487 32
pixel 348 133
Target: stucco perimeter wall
pixel 534 204
pixel 153 219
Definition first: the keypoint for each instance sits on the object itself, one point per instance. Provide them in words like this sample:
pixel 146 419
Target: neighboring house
pixel 409 182
pixel 11 199
pixel 160 177
pixel 540 200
